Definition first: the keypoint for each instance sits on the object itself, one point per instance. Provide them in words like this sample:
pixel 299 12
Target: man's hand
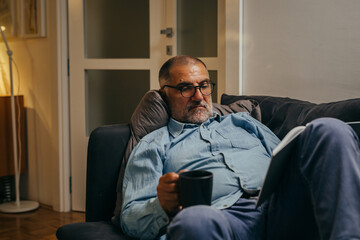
pixel 168 193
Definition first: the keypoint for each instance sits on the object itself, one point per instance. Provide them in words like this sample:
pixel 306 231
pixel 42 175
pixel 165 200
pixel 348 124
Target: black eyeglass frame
pixel 180 88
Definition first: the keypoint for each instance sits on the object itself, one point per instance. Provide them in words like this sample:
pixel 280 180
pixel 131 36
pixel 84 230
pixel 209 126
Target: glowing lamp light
pixel 17 206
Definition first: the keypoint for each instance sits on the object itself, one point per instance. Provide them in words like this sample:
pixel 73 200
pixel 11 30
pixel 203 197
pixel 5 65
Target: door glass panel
pixel 213 78
pixel 116 29
pixel 197 27
pixel 112 95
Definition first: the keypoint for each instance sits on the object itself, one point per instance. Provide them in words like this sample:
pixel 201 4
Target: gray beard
pixel 200 115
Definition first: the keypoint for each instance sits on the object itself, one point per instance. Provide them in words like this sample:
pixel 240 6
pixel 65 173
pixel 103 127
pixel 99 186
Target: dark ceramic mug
pixel 196 188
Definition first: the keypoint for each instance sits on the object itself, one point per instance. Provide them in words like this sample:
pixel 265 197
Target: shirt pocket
pixel 238 137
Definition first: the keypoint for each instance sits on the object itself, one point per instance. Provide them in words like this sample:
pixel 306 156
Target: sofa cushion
pixel 282 114
pixel 152 113
pixel 90 230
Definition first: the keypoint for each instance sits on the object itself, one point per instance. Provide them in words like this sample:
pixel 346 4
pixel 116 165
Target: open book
pixel 280 157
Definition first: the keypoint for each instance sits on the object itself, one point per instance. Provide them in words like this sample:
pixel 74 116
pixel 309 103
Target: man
pixel 318 197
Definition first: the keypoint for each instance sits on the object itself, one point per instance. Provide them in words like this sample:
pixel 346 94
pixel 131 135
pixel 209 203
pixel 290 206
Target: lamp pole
pixel 18 206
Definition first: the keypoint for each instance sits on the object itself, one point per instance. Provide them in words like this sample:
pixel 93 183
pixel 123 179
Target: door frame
pixel 62 202
pixel 233 61
pixel 234 41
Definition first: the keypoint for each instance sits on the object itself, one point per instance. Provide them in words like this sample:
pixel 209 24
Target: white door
pixel 199 30
pixel 116 50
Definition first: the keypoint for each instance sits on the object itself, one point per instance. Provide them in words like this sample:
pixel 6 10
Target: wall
pixel 305 49
pixel 36 71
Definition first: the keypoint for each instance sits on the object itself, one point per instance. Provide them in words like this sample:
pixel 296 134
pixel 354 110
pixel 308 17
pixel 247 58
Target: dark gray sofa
pixel 107 145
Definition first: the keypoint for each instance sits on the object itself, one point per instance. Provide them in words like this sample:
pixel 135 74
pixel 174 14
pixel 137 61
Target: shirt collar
pixel 176 128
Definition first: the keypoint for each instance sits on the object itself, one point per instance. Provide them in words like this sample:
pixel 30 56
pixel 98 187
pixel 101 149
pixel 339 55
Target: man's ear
pixel 163 94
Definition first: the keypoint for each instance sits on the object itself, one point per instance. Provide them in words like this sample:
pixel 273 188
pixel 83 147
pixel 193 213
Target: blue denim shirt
pixel 236 148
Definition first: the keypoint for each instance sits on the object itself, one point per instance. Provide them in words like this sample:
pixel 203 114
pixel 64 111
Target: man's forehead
pixel 186 67
pixel 183 72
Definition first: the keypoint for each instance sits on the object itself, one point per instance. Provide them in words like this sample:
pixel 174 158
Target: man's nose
pixel 198 95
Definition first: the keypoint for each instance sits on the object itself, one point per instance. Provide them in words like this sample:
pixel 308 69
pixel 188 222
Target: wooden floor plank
pixel 40 224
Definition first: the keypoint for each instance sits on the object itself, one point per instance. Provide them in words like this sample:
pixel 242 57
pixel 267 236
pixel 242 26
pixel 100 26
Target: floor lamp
pixel 17 206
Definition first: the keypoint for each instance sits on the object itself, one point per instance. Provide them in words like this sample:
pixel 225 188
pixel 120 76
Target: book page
pixel 288 138
pixel 280 156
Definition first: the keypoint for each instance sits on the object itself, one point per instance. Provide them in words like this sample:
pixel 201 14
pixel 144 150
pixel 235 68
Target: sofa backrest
pixel 282 114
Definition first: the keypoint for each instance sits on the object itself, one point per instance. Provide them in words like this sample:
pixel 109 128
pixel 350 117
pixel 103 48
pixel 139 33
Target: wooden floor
pixel 39 224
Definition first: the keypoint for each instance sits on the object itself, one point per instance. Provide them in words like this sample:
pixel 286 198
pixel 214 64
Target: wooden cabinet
pixel 6 137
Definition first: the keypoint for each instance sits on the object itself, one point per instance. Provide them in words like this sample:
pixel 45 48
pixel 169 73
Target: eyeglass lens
pixel 189 91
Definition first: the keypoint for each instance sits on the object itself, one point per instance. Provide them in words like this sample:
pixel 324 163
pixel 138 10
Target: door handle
pixel 168 32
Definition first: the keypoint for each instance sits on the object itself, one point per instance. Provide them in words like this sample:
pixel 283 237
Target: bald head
pixel 185 72
pixel 164 73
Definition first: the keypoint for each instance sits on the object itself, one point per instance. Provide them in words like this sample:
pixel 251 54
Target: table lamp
pixel 17 206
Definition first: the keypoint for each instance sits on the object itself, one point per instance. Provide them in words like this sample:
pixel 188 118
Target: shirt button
pixel 225 205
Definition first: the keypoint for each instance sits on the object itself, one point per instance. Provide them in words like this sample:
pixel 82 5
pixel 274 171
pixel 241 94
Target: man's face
pixel 196 109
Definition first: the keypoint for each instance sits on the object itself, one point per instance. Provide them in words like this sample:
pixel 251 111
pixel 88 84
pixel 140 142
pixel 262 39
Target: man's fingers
pixel 169 178
pixel 168 187
pixel 170 197
pixel 167 191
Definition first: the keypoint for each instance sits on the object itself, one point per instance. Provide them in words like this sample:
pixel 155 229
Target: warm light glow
pixel 3 81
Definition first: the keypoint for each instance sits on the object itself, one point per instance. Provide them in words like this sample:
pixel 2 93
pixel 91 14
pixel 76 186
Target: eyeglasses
pixel 188 91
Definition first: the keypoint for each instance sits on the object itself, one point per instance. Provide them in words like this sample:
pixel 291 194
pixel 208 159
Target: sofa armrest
pixel 106 148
